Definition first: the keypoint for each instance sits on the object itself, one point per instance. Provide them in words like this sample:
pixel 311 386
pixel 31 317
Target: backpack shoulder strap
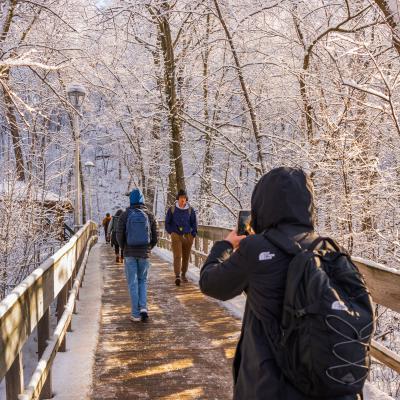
pixel 190 210
pixel 172 210
pixel 328 240
pixel 280 240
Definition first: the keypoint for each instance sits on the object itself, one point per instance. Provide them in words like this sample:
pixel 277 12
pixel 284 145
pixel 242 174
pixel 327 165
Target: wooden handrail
pixel 383 282
pixel 27 308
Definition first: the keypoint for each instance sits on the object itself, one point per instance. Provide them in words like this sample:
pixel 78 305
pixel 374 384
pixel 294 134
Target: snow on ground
pixel 236 308
pixel 72 372
pixel 29 359
pixel 75 365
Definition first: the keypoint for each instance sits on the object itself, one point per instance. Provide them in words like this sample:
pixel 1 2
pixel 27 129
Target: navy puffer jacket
pixel 181 221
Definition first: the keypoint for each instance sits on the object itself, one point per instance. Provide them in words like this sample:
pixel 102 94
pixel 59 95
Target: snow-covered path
pixel 172 355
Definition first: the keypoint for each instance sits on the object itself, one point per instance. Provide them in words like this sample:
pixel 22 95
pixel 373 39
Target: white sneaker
pixel 135 319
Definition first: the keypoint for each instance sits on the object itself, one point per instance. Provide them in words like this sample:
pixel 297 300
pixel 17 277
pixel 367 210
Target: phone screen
pixel 244 219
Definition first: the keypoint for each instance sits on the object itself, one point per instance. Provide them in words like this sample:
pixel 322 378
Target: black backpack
pixel 327 320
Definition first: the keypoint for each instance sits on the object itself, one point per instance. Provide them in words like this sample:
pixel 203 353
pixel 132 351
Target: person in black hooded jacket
pixel 283 199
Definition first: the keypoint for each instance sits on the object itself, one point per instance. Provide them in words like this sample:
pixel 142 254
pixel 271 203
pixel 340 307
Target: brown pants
pixel 181 246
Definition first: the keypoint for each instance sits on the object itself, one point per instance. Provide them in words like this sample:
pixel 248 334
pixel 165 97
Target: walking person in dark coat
pixel 112 233
pixel 181 224
pixel 137 235
pixel 283 199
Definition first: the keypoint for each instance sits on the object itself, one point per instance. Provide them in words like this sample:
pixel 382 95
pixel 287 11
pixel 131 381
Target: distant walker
pixel 181 224
pixel 137 235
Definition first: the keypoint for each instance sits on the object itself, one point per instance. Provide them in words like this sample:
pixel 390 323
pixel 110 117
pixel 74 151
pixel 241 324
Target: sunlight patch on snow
pixel 221 342
pixel 189 296
pixel 186 394
pixel 217 322
pixel 230 352
pixel 161 369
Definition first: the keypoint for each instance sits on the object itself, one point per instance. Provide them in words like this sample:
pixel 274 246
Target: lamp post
pixel 89 166
pixel 76 95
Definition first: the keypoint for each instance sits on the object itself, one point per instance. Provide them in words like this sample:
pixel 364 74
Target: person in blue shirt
pixel 181 224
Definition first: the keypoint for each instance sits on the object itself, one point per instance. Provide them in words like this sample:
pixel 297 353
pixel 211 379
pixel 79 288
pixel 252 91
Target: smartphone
pixel 243 226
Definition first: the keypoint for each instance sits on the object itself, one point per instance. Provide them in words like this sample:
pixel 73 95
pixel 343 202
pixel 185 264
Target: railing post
pixel 164 241
pixel 15 379
pixel 43 333
pixel 73 277
pixel 197 247
pixel 69 287
pixel 61 302
pixel 205 245
pixel 161 233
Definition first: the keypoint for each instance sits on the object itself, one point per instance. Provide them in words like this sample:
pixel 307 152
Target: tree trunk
pixel 83 194
pixel 206 179
pixel 392 19
pixel 307 108
pixel 245 92
pixel 14 130
pixel 154 168
pixel 171 95
pixel 171 182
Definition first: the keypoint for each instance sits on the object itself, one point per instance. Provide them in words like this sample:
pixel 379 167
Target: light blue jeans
pixel 136 274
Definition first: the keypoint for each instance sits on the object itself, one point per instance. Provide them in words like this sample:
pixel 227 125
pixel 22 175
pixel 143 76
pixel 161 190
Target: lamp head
pixel 76 94
pixel 89 164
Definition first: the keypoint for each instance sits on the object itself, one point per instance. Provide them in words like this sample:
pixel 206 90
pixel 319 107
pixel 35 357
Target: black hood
pixel 282 196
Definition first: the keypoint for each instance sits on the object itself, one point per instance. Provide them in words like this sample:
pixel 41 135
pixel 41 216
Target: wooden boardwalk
pixel 184 352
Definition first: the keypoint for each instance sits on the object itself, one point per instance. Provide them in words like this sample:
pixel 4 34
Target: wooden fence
pixel 383 282
pixel 27 308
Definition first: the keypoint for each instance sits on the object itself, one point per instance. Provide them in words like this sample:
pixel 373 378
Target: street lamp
pixel 76 95
pixel 89 166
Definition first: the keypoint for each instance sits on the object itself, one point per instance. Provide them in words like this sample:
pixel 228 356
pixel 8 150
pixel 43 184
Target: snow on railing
pixel 27 308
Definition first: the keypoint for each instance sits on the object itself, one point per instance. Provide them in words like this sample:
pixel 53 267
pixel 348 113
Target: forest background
pixel 205 95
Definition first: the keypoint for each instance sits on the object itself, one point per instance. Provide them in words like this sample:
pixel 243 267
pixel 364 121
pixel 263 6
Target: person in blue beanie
pixel 181 224
pixel 137 235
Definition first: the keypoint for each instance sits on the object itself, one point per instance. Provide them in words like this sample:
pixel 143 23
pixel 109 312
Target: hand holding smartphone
pixel 243 225
pixel 243 229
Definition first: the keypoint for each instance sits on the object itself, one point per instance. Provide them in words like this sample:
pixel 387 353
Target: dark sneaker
pixel 144 316
pixel 184 279
pixel 177 281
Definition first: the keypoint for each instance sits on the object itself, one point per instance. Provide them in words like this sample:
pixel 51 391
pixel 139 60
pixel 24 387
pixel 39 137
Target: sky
pixel 103 3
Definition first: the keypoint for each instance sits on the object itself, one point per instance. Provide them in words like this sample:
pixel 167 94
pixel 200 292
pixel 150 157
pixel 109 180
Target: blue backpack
pixel 137 228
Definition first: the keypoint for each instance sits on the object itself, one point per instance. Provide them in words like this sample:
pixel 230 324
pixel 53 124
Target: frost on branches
pixel 204 95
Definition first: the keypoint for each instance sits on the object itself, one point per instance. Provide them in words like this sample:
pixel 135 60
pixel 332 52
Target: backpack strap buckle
pixel 300 313
pixel 313 308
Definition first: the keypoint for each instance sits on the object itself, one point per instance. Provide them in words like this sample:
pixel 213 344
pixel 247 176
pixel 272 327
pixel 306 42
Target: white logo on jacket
pixel 339 305
pixel 266 255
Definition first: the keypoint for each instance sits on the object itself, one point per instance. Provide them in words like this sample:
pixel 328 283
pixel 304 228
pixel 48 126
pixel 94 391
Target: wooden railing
pixel 383 282
pixel 27 308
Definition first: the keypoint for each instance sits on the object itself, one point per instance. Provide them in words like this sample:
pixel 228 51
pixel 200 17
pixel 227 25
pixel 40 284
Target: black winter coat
pixel 137 251
pixel 259 269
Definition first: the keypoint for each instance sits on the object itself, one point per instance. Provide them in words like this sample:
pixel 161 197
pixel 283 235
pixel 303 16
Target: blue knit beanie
pixel 136 197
